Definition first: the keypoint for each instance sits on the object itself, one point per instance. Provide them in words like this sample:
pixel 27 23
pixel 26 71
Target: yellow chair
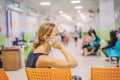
pixel 48 74
pixel 105 73
pixel 3 75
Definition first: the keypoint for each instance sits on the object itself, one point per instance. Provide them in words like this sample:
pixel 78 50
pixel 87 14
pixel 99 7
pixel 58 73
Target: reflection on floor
pixel 84 63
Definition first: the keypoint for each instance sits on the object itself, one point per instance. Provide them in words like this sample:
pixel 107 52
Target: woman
pixel 92 46
pixel 44 42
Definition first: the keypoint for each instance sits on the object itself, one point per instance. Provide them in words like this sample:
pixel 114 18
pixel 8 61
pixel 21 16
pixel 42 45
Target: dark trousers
pixel 103 50
pixel 97 47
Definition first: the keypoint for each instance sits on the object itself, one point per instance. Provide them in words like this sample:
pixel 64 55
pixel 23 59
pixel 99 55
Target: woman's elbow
pixel 74 65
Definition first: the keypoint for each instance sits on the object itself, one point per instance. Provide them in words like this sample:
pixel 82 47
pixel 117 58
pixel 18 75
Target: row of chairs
pixel 65 74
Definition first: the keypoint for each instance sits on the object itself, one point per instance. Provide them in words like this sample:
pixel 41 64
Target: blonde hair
pixel 44 29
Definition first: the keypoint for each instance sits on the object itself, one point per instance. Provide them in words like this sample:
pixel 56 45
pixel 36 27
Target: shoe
pixel 107 60
pixel 93 54
pixel 111 60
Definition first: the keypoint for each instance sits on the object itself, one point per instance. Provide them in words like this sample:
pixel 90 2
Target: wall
pixel 24 23
pixel 2 23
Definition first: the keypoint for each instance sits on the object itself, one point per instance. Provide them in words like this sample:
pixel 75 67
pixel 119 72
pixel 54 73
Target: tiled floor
pixel 83 69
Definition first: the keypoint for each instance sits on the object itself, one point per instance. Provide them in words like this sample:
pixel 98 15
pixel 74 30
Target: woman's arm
pixel 47 61
pixel 69 58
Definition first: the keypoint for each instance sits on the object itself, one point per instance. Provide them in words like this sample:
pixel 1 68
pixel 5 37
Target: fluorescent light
pixel 69 18
pixel 14 8
pixel 45 3
pixel 79 11
pixel 61 12
pixel 75 1
pixel 78 7
pixel 32 14
pixel 66 16
pixel 79 24
pixel 83 17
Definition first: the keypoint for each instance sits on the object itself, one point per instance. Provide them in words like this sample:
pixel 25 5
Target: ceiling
pixel 89 7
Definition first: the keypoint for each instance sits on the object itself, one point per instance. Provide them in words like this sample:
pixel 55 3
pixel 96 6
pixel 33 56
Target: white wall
pixel 107 20
pixel 24 23
pixel 2 17
pixel 96 22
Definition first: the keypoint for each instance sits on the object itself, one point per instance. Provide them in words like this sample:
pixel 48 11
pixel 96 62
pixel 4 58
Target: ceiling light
pixel 66 16
pixel 79 11
pixel 83 17
pixel 45 3
pixel 79 24
pixel 61 12
pixel 75 1
pixel 78 7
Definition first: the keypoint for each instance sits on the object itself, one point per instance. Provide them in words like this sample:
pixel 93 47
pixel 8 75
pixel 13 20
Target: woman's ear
pixel 45 38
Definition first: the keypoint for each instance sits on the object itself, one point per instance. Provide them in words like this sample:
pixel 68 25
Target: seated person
pixel 93 47
pixel 86 42
pixel 111 42
pixel 45 40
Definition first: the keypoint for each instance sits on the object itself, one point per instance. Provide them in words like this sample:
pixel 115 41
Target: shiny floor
pixel 84 62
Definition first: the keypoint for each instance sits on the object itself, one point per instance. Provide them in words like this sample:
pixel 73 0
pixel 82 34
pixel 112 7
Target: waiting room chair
pixel 48 74
pixel 3 75
pixel 105 73
pixel 114 52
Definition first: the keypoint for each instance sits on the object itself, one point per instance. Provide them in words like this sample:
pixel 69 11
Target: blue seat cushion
pixel 112 53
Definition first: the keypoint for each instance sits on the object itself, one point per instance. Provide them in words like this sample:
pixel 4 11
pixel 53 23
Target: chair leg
pixel 117 62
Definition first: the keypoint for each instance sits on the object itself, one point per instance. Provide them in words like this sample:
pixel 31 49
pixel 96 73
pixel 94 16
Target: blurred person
pixel 95 46
pixel 92 44
pixel 63 35
pixel 80 33
pixel 118 36
pixel 66 39
pixel 86 43
pixel 75 35
pixel 111 42
pixel 91 32
pixel 46 40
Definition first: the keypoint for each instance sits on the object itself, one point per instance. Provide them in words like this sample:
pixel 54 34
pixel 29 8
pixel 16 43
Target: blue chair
pixel 114 52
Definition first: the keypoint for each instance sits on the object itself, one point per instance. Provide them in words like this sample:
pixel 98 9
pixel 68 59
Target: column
pixel 107 20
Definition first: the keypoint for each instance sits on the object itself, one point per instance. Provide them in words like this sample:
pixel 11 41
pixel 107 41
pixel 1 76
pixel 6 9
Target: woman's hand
pixel 55 44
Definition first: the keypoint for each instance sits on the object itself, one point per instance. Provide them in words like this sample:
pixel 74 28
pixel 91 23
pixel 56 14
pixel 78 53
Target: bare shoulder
pixel 46 58
pixel 48 61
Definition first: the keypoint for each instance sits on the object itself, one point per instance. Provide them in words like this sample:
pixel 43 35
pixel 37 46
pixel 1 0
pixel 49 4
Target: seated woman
pixel 93 44
pixel 45 40
pixel 111 43
pixel 86 43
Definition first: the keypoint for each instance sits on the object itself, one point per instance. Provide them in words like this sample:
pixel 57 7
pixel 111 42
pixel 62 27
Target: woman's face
pixel 54 33
pixel 51 39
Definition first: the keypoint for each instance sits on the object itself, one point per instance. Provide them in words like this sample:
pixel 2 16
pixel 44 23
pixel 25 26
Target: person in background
pixel 91 43
pixel 80 33
pixel 44 42
pixel 86 43
pixel 111 42
pixel 66 39
pixel 95 46
pixel 91 31
pixel 63 35
pixel 75 35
